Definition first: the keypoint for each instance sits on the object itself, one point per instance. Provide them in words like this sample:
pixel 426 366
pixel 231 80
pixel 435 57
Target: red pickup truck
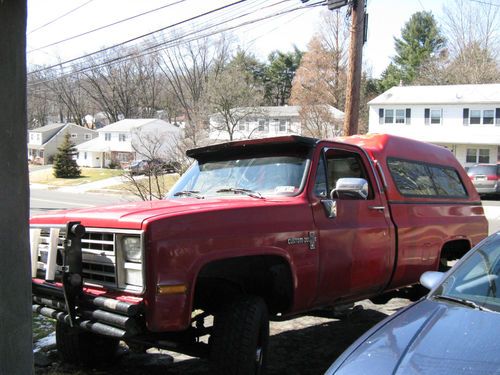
pixel 254 230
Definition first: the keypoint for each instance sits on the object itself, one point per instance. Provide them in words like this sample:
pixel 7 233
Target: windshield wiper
pixel 250 193
pixel 462 301
pixel 189 193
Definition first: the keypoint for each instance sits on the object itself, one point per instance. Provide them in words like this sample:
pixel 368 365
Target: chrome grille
pixel 98 255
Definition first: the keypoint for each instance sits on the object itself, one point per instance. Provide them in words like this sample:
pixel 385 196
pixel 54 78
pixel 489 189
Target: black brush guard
pixel 101 315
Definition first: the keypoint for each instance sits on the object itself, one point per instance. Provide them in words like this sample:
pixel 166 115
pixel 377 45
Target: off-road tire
pixel 239 341
pixel 84 348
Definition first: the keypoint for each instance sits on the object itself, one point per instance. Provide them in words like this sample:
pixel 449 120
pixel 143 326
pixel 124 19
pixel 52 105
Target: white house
pixel 126 140
pixel 44 141
pixel 263 122
pixel 463 118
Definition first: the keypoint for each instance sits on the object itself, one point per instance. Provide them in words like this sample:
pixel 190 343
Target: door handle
pixel 377 208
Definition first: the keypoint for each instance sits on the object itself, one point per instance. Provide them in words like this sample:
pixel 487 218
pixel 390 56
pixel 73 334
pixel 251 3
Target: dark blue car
pixel 455 329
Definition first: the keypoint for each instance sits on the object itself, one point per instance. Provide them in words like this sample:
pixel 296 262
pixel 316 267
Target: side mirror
pixel 354 187
pixel 431 279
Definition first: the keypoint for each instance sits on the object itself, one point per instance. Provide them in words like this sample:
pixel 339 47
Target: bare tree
pixel 68 93
pixel 38 106
pixel 187 68
pixel 234 97
pixel 467 23
pixel 158 150
pixel 318 121
pixel 474 65
pixel 129 88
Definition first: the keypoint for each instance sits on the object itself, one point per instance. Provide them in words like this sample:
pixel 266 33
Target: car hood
pixel 428 337
pixel 133 215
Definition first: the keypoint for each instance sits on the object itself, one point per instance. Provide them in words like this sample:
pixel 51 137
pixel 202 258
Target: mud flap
pixel 72 268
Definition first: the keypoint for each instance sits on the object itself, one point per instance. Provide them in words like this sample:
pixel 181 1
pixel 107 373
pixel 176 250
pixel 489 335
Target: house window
pixel 394 116
pixel 478 116
pixel 85 155
pixel 123 156
pixel 283 126
pixel 87 136
pixel 475 155
pixel 389 116
pixel 475 116
pixel 242 126
pixel 263 126
pixel 484 155
pixel 436 116
pixel 488 116
pixel 122 137
pixel 400 116
pixel 74 135
pixel 107 136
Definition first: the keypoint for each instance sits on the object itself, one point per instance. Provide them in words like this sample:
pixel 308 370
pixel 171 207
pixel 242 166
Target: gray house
pixel 44 141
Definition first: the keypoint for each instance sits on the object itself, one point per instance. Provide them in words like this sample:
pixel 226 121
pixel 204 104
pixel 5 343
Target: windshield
pixel 259 177
pixel 476 279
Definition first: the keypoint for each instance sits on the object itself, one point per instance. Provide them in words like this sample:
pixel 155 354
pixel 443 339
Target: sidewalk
pixel 96 185
pixel 83 188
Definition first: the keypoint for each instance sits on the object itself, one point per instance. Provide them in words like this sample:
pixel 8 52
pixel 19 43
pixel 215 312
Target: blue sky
pixel 386 18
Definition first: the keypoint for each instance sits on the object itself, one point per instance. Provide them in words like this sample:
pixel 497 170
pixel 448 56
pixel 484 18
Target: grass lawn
pixel 165 183
pixel 46 176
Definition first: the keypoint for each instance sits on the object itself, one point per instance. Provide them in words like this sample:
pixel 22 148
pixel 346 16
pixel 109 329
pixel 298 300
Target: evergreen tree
pixel 420 41
pixel 279 74
pixel 64 163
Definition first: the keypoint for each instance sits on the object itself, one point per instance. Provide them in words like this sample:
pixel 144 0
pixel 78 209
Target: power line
pixel 139 37
pixel 106 26
pixel 166 45
pixel 485 3
pixel 58 18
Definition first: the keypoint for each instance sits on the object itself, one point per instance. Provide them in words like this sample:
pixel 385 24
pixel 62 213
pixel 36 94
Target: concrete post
pixel 16 356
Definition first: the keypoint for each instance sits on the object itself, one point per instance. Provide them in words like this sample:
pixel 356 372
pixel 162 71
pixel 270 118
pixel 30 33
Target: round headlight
pixel 132 249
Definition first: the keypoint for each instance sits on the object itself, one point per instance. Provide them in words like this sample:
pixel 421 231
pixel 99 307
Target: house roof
pixel 128 124
pixel 280 111
pixel 48 128
pixel 445 94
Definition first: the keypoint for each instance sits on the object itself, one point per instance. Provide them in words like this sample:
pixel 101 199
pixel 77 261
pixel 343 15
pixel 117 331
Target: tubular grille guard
pixel 98 251
pixel 99 315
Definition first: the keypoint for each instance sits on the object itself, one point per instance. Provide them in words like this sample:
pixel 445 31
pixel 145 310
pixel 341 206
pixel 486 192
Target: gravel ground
pixel 301 346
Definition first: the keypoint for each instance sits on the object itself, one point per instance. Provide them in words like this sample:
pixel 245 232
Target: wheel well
pixel 266 276
pixel 453 250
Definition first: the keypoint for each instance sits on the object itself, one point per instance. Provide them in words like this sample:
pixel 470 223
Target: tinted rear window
pixel 487 170
pixel 419 179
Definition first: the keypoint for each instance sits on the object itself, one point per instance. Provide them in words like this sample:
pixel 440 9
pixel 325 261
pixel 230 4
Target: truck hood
pixel 134 215
pixel 429 337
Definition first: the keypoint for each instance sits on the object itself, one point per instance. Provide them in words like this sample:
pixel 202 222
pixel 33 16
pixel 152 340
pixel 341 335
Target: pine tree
pixel 420 41
pixel 64 163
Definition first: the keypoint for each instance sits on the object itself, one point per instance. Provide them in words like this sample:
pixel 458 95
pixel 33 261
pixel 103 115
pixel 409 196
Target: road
pixel 48 200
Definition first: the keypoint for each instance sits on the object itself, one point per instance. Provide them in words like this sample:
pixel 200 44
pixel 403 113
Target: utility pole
pixel 354 74
pixel 358 34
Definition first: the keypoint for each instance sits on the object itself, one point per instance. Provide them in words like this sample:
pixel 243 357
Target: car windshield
pixel 476 280
pixel 255 177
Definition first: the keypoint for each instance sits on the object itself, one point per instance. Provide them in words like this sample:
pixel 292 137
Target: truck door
pixel 355 235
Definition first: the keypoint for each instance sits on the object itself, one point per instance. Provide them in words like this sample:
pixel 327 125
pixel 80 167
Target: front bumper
pixel 97 311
